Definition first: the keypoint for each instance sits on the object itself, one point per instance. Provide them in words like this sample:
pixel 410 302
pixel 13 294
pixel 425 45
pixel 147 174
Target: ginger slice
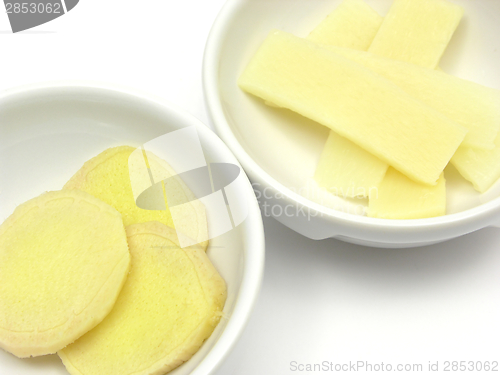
pixel 171 302
pixel 63 260
pixel 107 177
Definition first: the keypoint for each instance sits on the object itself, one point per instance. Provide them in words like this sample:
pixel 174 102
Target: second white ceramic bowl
pixel 279 150
pixel 49 131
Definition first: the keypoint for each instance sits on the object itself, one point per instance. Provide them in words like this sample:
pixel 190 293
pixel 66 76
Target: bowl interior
pixel 47 135
pixel 287 146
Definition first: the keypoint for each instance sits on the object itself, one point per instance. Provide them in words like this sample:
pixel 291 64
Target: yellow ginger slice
pixel 353 24
pixel 171 302
pixel 63 261
pixel 107 177
pixel 358 104
pixel 347 170
pixel 417 31
pixel 480 167
pixel 472 105
pixel 401 198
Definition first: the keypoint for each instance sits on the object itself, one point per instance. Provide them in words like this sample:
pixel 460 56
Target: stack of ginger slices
pixel 87 274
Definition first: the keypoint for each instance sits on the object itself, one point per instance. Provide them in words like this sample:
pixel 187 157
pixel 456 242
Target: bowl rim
pixel 253 265
pixel 489 211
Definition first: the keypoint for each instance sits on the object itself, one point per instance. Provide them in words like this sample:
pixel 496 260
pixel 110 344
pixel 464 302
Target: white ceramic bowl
pixel 280 150
pixel 49 131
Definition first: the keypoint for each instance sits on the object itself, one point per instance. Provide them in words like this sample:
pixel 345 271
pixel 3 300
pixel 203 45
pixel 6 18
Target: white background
pixel 320 301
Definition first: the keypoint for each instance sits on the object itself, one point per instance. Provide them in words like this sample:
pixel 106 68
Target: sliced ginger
pixel 107 177
pixel 63 260
pixel 170 303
